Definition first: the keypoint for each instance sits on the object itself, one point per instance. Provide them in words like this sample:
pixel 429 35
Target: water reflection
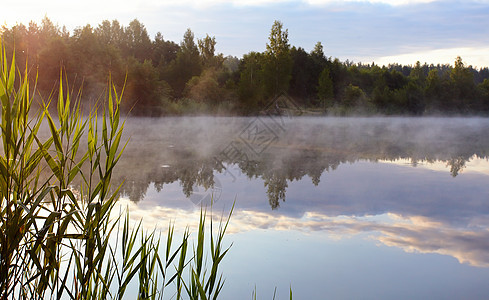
pixel 416 184
pixel 190 150
pixel 412 234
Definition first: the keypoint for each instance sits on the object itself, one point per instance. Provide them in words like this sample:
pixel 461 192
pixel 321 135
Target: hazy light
pixel 474 165
pixel 476 57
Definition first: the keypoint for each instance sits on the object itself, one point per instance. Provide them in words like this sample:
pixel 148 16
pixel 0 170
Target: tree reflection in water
pixel 185 150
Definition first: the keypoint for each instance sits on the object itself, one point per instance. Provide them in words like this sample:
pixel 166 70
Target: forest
pixel 162 77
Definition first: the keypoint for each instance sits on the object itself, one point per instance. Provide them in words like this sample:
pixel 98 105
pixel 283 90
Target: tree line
pixel 162 77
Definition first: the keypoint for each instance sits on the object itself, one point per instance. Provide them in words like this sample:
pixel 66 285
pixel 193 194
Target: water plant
pixel 60 237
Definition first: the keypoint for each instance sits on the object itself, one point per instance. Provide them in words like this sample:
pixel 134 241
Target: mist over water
pixel 167 150
pixel 367 196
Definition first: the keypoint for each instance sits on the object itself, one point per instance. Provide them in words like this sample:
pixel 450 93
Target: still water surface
pixel 336 208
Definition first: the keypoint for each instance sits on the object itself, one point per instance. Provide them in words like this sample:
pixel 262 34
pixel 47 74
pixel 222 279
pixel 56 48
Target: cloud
pixel 476 57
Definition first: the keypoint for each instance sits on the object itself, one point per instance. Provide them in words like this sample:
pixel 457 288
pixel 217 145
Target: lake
pixel 335 208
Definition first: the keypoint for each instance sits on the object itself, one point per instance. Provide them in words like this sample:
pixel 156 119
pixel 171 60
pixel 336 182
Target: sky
pixel 380 31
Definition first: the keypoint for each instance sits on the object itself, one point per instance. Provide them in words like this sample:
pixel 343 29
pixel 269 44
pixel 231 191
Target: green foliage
pixel 484 91
pixel 306 70
pixel 417 74
pixel 325 88
pixel 138 41
pixel 251 81
pixel 415 102
pixel 277 65
pixel 145 93
pixel 462 85
pixel 205 283
pixel 186 65
pixel 318 53
pixel 163 52
pixel 433 83
pixel 161 73
pixel 353 95
pixel 205 88
pixel 207 47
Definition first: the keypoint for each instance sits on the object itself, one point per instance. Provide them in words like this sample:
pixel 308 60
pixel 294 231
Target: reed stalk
pixel 59 235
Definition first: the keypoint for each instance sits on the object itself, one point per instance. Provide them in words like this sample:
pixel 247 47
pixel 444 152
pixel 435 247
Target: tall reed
pixel 57 231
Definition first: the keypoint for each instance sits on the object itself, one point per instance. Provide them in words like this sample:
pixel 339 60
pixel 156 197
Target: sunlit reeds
pixel 61 239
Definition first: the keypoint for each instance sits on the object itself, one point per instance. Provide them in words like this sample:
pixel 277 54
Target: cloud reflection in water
pixel 416 184
pixel 412 234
